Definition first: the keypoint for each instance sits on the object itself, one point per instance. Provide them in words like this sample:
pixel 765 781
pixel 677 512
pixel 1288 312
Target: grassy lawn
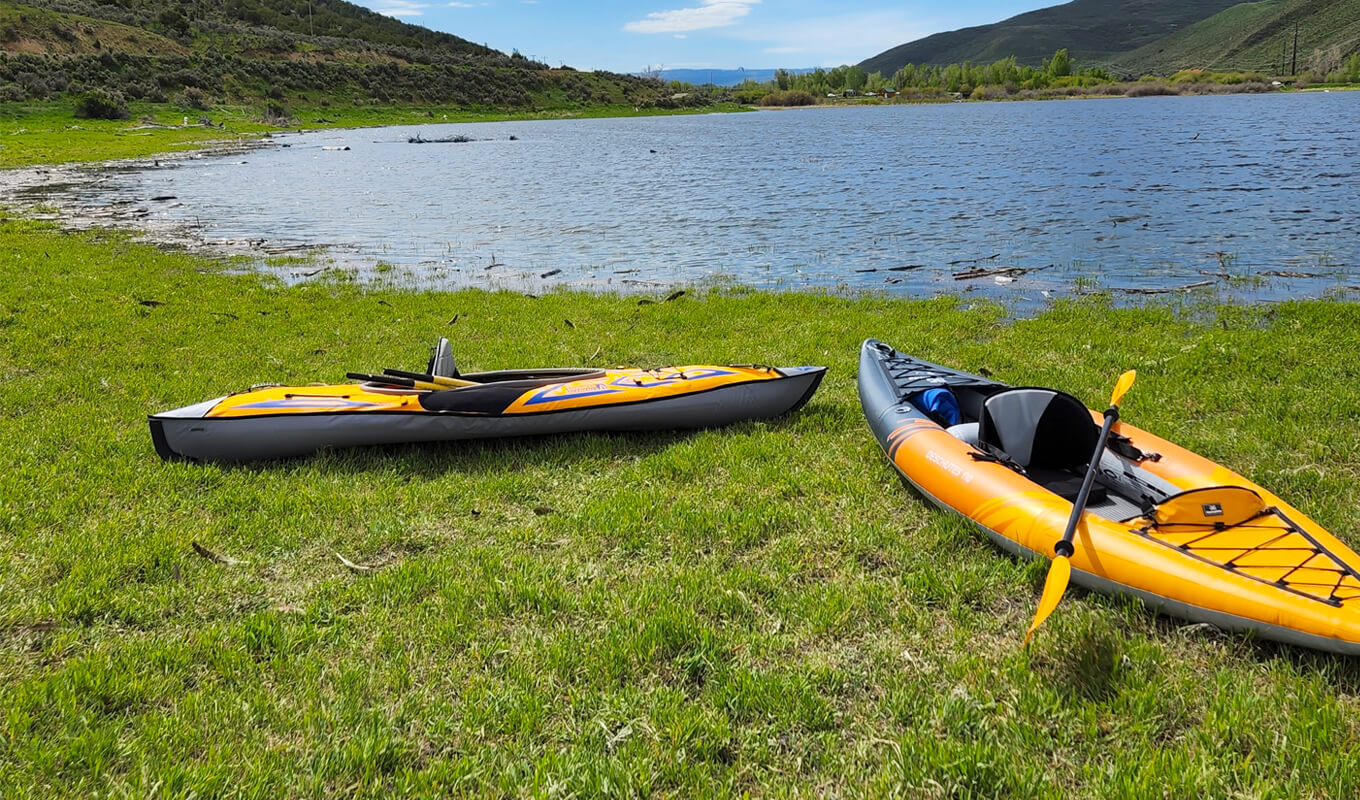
pixel 763 609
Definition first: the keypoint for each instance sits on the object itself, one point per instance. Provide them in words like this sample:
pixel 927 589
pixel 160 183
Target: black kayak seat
pixel 1050 434
pixel 441 360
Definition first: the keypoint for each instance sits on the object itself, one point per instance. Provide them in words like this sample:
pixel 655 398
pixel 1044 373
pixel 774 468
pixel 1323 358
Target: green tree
pixel 855 78
pixel 781 78
pixel 818 80
pixel 1351 71
pixel 1059 65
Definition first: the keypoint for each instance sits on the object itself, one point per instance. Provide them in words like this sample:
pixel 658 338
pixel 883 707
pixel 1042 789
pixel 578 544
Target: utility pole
pixel 1294 67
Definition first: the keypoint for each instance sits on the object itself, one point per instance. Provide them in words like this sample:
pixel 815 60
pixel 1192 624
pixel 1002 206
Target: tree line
pixel 962 78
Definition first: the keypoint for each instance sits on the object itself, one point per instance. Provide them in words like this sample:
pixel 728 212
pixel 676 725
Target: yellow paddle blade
pixel 1125 383
pixel 1054 586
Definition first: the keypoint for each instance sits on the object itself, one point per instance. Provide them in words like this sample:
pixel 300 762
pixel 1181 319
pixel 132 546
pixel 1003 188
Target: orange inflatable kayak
pixel 1187 536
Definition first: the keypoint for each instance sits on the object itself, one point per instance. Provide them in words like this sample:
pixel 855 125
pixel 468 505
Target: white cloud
pixel 842 39
pixel 709 14
pixel 399 8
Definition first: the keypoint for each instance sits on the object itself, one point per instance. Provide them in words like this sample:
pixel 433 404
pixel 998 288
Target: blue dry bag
pixel 940 404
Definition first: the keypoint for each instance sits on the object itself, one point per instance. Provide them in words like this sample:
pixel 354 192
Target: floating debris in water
pixel 1166 289
pixel 974 260
pixel 457 139
pixel 1007 272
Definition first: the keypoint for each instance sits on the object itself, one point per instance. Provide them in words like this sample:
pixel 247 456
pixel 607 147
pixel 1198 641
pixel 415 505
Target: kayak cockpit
pixel 1048 436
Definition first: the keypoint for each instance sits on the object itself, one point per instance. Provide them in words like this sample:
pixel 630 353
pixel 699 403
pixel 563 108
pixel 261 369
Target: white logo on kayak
pixel 949 466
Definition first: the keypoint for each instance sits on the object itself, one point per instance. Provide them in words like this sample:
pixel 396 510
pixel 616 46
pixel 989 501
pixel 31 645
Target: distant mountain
pixel 723 77
pixel 1087 28
pixel 1257 36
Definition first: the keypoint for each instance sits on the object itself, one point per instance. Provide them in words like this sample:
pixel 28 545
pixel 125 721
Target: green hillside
pixel 1257 36
pixel 205 23
pixel 1087 28
pixel 26 29
pixel 202 54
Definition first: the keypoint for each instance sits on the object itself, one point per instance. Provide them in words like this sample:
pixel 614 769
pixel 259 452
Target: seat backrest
pixel 1040 428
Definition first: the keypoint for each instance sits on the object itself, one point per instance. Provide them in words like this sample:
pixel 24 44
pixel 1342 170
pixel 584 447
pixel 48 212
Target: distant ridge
pixel 1089 29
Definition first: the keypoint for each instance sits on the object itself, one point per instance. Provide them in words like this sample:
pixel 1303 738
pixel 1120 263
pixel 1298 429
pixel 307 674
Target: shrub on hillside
pixel 918 93
pixel 1141 89
pixel 789 98
pixel 193 97
pixel 101 104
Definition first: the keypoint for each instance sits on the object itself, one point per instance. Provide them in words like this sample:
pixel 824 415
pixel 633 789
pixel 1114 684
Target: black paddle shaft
pixel 1064 546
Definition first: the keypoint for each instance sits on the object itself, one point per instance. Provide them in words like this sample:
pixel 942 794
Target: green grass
pixel 48 133
pixel 763 609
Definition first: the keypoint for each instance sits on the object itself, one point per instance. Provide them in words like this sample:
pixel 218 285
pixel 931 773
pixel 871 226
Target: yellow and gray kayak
pixel 280 421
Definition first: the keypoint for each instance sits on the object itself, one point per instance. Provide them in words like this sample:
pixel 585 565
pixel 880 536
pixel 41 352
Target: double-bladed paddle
pixel 1060 571
pixel 446 382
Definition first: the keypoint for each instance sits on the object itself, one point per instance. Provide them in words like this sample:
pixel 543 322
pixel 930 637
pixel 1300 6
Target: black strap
pixel 1123 445
pixel 989 454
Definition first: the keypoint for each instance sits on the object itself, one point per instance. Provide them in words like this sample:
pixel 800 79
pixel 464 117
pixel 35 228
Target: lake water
pixel 1257 197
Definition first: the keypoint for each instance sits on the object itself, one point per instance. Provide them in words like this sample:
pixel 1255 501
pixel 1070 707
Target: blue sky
pixel 697 34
